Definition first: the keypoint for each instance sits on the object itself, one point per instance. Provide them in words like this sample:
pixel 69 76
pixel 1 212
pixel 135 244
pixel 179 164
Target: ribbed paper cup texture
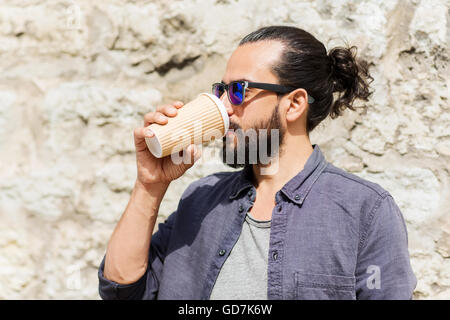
pixel 199 121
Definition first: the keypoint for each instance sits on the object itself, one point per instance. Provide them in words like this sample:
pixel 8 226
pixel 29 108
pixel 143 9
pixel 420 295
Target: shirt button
pixel 275 255
pixel 279 208
pixel 222 252
pixel 241 208
pixel 250 193
pixel 297 197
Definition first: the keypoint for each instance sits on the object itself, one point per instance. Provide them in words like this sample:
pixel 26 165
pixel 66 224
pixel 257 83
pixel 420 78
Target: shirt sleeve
pixel 148 285
pixel 383 269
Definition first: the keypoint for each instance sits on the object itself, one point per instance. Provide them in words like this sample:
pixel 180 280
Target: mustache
pixel 234 126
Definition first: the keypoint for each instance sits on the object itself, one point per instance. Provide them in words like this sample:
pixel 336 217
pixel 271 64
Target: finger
pixel 187 161
pixel 170 111
pixel 162 107
pixel 139 138
pixel 190 155
pixel 178 104
pixel 154 117
pixel 148 133
pixel 197 153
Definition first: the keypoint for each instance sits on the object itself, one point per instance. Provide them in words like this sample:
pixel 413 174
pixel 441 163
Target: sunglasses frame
pixel 257 85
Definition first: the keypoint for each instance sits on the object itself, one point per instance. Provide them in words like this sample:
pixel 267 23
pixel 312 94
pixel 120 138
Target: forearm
pixel 127 252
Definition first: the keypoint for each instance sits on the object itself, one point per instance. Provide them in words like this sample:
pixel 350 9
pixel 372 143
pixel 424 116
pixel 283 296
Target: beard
pixel 257 145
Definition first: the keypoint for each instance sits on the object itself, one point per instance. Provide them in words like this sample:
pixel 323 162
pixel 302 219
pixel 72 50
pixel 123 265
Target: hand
pixel 160 171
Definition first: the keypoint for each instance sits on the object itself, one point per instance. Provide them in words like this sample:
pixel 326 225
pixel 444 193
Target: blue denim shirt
pixel 333 236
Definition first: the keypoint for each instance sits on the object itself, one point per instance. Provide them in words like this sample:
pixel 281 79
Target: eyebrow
pixel 239 80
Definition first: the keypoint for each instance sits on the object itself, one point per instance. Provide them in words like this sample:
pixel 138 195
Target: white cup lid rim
pixel 222 109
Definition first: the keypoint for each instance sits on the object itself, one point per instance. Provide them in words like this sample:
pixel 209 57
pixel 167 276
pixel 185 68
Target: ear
pixel 298 105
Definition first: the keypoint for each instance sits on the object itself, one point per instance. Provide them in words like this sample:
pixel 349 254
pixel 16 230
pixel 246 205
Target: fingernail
pixel 149 133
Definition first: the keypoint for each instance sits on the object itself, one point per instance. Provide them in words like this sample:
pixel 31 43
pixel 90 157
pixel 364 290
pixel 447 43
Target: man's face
pixel 259 112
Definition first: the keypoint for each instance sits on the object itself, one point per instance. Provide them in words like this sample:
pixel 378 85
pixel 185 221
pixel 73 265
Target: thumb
pixel 191 154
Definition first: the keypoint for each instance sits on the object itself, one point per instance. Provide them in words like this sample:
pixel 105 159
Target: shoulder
pixel 350 183
pixel 366 201
pixel 355 195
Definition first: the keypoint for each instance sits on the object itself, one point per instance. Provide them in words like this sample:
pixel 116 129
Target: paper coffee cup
pixel 199 121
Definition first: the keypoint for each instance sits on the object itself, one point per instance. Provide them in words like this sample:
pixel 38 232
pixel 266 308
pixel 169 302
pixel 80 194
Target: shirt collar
pixel 295 189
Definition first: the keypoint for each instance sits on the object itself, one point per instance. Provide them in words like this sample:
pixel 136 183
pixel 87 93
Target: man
pixel 307 230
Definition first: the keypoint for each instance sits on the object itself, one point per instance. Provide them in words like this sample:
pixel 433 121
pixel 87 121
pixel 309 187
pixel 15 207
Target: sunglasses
pixel 236 90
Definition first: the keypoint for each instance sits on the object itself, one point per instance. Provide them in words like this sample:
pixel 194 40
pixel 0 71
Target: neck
pixel 293 155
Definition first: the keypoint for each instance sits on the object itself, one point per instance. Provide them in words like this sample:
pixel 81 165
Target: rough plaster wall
pixel 77 76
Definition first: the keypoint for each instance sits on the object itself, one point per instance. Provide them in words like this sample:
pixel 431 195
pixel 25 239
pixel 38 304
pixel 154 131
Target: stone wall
pixel 77 77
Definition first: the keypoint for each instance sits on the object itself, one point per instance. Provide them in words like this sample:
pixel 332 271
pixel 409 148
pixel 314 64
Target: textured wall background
pixel 77 77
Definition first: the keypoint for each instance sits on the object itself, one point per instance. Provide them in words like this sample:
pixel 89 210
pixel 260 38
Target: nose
pixel 227 104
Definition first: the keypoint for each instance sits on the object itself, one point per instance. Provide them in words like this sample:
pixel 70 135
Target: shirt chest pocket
pixel 310 286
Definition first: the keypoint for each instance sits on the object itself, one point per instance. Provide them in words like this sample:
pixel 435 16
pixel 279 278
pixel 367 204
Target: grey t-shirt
pixel 244 274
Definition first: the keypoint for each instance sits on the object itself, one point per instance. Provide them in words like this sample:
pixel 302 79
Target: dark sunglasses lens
pixel 218 90
pixel 236 92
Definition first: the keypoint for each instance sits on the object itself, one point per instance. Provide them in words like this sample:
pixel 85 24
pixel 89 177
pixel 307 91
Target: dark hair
pixel 305 64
